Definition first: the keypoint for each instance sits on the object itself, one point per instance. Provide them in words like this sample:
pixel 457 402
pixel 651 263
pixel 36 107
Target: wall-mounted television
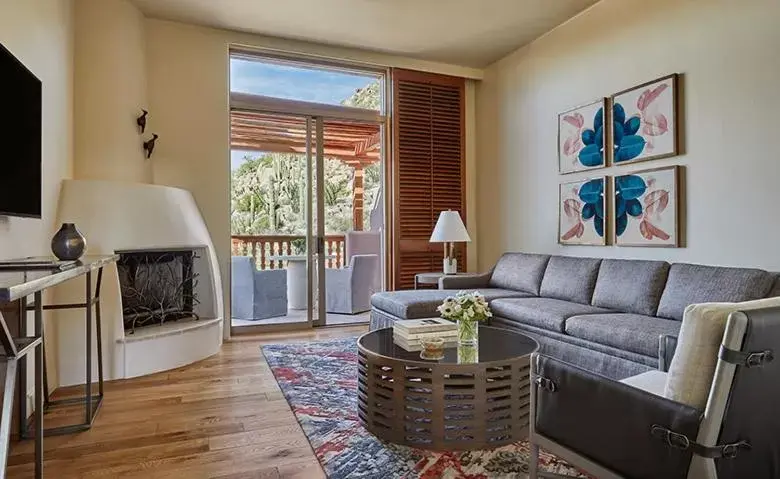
pixel 20 138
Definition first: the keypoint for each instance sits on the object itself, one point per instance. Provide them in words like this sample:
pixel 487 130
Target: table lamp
pixel 449 229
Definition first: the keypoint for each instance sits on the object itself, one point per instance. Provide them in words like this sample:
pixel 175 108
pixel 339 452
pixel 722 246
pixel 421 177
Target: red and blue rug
pixel 319 381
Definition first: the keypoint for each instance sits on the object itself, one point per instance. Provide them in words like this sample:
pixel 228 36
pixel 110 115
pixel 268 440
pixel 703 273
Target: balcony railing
pixel 263 247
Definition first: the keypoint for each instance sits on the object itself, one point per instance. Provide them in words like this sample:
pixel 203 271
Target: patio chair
pixel 712 415
pixel 365 242
pixel 349 290
pixel 257 294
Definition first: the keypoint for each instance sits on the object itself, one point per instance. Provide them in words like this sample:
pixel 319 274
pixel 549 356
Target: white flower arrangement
pixel 465 306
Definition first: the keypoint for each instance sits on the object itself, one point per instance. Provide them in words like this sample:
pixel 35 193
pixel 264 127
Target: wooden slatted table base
pixel 444 406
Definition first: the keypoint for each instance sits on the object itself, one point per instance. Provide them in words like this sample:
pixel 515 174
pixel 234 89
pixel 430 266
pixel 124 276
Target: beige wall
pixel 727 53
pixel 40 34
pixel 110 91
pixel 188 95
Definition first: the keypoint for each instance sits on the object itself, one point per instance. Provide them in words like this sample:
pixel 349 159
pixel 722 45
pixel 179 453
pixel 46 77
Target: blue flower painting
pixel 581 138
pixel 626 143
pixel 582 212
pixel 645 208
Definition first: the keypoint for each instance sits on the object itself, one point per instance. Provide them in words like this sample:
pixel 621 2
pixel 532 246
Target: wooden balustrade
pixel 263 247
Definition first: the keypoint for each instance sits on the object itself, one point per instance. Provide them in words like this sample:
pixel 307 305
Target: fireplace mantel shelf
pixel 167 329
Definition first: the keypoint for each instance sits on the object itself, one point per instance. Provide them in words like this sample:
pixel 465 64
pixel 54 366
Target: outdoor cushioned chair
pixel 349 290
pixel 256 294
pixel 712 415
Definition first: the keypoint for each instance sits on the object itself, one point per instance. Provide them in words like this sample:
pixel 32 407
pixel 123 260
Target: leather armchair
pixel 628 429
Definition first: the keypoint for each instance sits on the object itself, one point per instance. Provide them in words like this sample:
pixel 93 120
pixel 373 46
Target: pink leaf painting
pixel 572 208
pixel 649 96
pixel 576 231
pixel 649 231
pixel 572 145
pixel 656 202
pixel 654 125
pixel 576 120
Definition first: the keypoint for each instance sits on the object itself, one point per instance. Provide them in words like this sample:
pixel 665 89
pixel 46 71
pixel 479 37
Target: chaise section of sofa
pixel 605 315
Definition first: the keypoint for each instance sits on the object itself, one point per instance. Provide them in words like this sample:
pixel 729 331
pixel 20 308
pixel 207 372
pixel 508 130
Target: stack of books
pixel 408 333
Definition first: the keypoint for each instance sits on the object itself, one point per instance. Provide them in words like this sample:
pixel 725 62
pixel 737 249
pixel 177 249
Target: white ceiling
pixel 471 33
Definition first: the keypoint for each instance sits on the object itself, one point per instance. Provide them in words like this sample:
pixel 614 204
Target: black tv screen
pixel 20 138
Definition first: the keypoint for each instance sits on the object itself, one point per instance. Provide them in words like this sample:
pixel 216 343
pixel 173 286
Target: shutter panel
pixel 428 156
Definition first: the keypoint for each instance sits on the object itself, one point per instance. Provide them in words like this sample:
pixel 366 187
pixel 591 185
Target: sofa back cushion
pixel 694 283
pixel 519 271
pixel 571 279
pixel 630 286
pixel 775 291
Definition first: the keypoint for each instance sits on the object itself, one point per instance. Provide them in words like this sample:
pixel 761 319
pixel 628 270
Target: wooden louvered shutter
pixel 428 168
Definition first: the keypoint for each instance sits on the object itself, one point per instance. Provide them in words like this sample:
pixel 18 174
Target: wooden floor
pixel 223 417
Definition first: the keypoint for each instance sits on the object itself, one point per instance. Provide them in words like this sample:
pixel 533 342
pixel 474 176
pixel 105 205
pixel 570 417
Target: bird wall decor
pixel 149 145
pixel 141 120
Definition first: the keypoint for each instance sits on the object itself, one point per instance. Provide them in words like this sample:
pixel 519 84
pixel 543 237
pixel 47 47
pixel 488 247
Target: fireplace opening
pixel 157 287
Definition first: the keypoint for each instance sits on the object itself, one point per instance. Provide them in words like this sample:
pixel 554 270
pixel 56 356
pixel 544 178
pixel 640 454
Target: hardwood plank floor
pixel 221 418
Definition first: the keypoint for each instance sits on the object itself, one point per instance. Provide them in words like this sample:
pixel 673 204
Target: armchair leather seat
pixel 546 313
pixel 632 332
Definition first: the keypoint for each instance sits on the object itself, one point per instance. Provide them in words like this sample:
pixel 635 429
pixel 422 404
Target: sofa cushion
pixel 519 271
pixel 570 279
pixel 775 291
pixel 693 283
pixel 417 304
pixel 696 356
pixel 633 286
pixel 631 332
pixel 546 313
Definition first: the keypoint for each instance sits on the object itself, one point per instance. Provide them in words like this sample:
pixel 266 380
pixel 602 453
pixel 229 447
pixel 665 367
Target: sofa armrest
pixel 470 281
pixel 608 421
pixel 667 344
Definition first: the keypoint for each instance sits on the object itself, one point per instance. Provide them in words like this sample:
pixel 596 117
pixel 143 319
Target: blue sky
pixel 283 81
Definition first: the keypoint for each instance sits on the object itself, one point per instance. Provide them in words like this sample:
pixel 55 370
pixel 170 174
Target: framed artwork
pixel 581 138
pixel 645 208
pixel 581 212
pixel 644 122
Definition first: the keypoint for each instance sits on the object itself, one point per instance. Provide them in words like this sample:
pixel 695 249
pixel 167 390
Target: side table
pixel 433 278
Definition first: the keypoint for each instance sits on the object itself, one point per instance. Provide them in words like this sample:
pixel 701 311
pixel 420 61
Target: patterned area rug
pixel 319 381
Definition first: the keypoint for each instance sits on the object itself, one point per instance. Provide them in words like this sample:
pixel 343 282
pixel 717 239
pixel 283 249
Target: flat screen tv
pixel 20 138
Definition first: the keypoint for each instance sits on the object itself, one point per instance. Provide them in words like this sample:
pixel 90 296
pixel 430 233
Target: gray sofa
pixel 605 315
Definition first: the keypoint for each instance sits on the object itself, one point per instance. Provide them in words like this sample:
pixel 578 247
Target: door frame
pixel 315 114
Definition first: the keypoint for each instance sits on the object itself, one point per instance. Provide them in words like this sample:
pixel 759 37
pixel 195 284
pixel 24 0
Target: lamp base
pixel 450 265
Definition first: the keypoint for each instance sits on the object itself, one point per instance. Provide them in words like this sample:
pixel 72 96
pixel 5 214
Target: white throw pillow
pixel 701 334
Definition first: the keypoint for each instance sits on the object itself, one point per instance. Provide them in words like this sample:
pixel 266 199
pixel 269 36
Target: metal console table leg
pixel 92 402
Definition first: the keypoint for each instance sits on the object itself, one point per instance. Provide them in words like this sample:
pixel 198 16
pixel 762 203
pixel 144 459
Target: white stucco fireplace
pixel 162 304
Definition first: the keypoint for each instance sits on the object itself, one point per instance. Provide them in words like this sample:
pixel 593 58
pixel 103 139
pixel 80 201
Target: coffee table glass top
pixel 494 345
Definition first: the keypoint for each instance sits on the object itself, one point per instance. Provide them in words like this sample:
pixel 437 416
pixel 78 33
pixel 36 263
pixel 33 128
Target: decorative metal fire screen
pixel 157 286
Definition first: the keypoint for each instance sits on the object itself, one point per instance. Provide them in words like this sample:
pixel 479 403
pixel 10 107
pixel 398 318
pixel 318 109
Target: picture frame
pixel 582 212
pixel 582 138
pixel 645 121
pixel 645 209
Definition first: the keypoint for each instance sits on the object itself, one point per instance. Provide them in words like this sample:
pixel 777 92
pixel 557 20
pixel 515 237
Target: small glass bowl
pixel 433 348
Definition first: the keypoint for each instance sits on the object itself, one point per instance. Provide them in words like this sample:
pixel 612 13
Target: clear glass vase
pixel 468 333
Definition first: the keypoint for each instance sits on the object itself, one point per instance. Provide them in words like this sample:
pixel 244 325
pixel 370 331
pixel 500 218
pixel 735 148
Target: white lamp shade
pixel 449 229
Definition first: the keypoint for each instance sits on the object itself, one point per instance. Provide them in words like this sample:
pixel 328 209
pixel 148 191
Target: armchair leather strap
pixel 749 360
pixel 681 441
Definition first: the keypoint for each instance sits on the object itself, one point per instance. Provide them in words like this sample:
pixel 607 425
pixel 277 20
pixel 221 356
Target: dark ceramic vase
pixel 68 244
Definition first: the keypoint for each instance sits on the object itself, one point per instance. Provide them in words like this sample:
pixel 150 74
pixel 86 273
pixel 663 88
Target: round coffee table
pixel 470 399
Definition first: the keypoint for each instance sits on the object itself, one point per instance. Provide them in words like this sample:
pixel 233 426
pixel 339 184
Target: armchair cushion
pixel 545 313
pixel 696 356
pixel 580 414
pixel 520 271
pixel 694 283
pixel 633 286
pixel 631 332
pixel 570 279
